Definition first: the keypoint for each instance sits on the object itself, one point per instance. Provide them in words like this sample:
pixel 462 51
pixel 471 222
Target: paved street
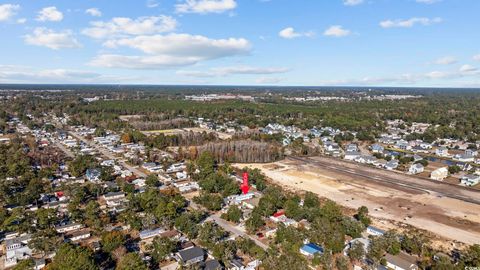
pixel 64 149
pixel 109 155
pixel 222 223
pixel 234 230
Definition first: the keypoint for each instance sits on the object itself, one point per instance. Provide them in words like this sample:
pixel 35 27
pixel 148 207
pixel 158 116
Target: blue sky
pixel 242 42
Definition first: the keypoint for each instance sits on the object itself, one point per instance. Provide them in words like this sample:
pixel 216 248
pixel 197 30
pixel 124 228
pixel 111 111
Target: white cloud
pixel 410 22
pixel 428 1
pixel 268 80
pixel 476 57
pixel 22 74
pixel 126 26
pixel 468 69
pixel 7 11
pixel 336 31
pixel 411 79
pixel 52 39
pixel 171 50
pixel 234 70
pixel 439 75
pixel 141 62
pixel 22 20
pixel 95 12
pixel 290 33
pixel 185 44
pixel 463 71
pixel 447 60
pixel 352 2
pixel 206 6
pixel 51 14
pixel 152 4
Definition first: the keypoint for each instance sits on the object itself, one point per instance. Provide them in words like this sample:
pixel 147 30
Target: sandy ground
pixel 391 206
pixel 167 132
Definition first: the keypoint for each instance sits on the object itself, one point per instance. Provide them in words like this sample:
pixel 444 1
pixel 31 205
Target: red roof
pixel 130 178
pixel 279 213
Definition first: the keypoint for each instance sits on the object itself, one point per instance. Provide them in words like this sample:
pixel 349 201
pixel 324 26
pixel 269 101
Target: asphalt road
pixel 64 149
pixel 234 230
pixel 393 179
pixel 109 155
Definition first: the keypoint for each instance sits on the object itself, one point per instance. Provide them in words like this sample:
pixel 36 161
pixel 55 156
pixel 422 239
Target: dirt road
pixel 448 211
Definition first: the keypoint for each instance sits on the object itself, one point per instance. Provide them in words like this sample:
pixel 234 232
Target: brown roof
pixel 169 234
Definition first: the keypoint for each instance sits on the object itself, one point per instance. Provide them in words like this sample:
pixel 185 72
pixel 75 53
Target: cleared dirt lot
pixel 179 131
pixel 391 204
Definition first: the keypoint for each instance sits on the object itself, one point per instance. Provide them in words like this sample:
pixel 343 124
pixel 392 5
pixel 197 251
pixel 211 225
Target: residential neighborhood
pixel 158 199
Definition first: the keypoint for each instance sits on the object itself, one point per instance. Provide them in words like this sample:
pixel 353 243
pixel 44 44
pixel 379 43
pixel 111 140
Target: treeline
pixel 185 139
pixel 243 151
pixel 158 123
pixel 455 114
pixel 20 184
pixel 443 109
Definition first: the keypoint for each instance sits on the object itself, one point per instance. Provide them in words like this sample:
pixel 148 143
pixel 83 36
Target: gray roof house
pixel 212 265
pixel 391 165
pixel 191 255
pixel 417 158
pixel 416 168
pixel 377 148
pixel 401 261
pixel 470 180
pixel 236 264
pixel 17 249
pixel 351 155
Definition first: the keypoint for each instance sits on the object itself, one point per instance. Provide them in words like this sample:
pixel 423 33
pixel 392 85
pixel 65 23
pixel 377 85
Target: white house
pixel 17 249
pixel 416 168
pixel 471 152
pixel 176 167
pixel 470 180
pixel 465 157
pixel 425 145
pixel 151 233
pixel 186 186
pixel 391 165
pixel 377 148
pixel 441 151
pixel 278 217
pixel 68 227
pixel 439 174
pixel 375 231
pixel 403 145
pixel 114 198
pixel 332 147
pixel 78 235
pixel 364 241
pixel 351 148
pixel 351 155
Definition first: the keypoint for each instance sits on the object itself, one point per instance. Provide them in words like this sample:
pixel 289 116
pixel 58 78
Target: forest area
pixel 451 114
pixel 243 151
pixel 455 115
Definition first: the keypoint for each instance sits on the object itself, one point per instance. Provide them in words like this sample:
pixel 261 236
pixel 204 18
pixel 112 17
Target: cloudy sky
pixel 242 42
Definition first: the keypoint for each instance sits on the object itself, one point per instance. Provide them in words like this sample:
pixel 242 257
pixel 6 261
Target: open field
pixel 127 118
pixel 448 211
pixel 179 131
